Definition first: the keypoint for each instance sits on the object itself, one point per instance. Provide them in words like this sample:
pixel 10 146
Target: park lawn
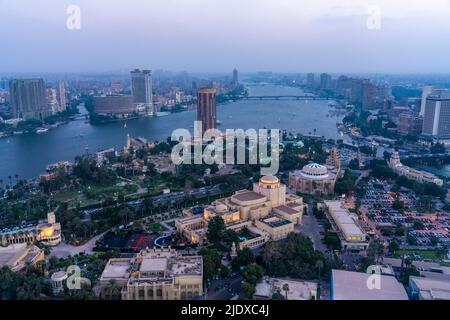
pixel 89 202
pixel 156 227
pixel 65 196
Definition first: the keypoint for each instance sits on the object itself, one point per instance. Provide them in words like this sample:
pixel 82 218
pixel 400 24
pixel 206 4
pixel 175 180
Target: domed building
pixel 272 188
pixel 314 179
pixel 266 212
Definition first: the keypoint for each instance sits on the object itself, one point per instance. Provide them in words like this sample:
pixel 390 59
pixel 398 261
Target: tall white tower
pixel 425 92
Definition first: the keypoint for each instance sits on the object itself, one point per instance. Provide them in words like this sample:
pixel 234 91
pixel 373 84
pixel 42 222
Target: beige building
pixel 154 274
pixel 313 179
pixel 49 233
pixel 17 256
pixel 266 213
pixel 412 174
pixel 352 236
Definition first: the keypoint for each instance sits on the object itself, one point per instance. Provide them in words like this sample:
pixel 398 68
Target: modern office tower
pixel 62 95
pixel 52 100
pixel 114 104
pixel 206 108
pixel 4 84
pixel 325 81
pixel 368 91
pixel 141 87
pixel 436 120
pixel 235 78
pixel 28 99
pixel 425 92
pixel 310 80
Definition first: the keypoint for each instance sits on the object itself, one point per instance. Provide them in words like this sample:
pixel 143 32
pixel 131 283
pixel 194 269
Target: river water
pixel 27 155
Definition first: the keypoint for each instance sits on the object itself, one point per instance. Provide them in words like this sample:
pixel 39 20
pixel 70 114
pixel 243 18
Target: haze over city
pixel 212 36
pixel 232 152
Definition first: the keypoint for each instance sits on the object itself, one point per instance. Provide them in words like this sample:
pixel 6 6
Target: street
pixel 224 289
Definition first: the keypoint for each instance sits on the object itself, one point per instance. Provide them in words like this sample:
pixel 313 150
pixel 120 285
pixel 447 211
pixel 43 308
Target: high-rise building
pixel 235 78
pixel 425 92
pixel 28 99
pixel 206 108
pixel 310 80
pixel 141 87
pixel 62 95
pixel 436 120
pixel 367 95
pixel 52 100
pixel 325 81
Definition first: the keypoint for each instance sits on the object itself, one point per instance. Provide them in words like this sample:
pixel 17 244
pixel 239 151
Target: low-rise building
pixel 154 274
pixel 411 173
pixel 298 289
pixel 49 233
pixel 429 288
pixel 265 213
pixel 17 256
pixel 353 238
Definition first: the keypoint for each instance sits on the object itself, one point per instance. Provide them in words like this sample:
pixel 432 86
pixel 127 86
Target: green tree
pixel 243 258
pixel 393 246
pixel 248 289
pixel 252 273
pixel 286 290
pixel 216 228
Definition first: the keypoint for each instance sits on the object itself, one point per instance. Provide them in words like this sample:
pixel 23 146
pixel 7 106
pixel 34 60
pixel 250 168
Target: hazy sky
pixel 218 35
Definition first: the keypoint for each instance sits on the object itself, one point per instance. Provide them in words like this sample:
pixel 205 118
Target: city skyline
pixel 168 35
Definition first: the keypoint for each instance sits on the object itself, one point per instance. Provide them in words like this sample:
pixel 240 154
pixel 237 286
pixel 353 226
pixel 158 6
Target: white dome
pixel 221 207
pixel 315 171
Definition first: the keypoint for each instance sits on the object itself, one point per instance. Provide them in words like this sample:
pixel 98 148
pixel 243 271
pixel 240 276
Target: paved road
pixel 311 228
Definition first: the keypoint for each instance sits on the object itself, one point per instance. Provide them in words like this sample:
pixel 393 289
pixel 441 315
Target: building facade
pixel 142 90
pixel 436 120
pixel 49 233
pixel 266 213
pixel 313 179
pixel 114 105
pixel 353 238
pixel 411 173
pixel 153 274
pixel 62 95
pixel 206 108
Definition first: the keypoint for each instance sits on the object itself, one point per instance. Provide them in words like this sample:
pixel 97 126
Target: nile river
pixel 27 155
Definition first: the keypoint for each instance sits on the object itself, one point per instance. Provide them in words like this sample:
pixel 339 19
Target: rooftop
pixel 247 196
pixel 117 268
pixel 287 208
pixel 348 285
pixel 153 264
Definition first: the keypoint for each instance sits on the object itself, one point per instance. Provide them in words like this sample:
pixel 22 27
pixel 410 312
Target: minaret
pixel 51 219
pixel 233 252
pixel 395 160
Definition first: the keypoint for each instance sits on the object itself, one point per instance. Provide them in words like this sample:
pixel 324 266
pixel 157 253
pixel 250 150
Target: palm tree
pixel 286 290
pixel 319 265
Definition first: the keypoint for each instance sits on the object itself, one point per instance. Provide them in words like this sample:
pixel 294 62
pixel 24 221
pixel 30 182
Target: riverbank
pixel 28 155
